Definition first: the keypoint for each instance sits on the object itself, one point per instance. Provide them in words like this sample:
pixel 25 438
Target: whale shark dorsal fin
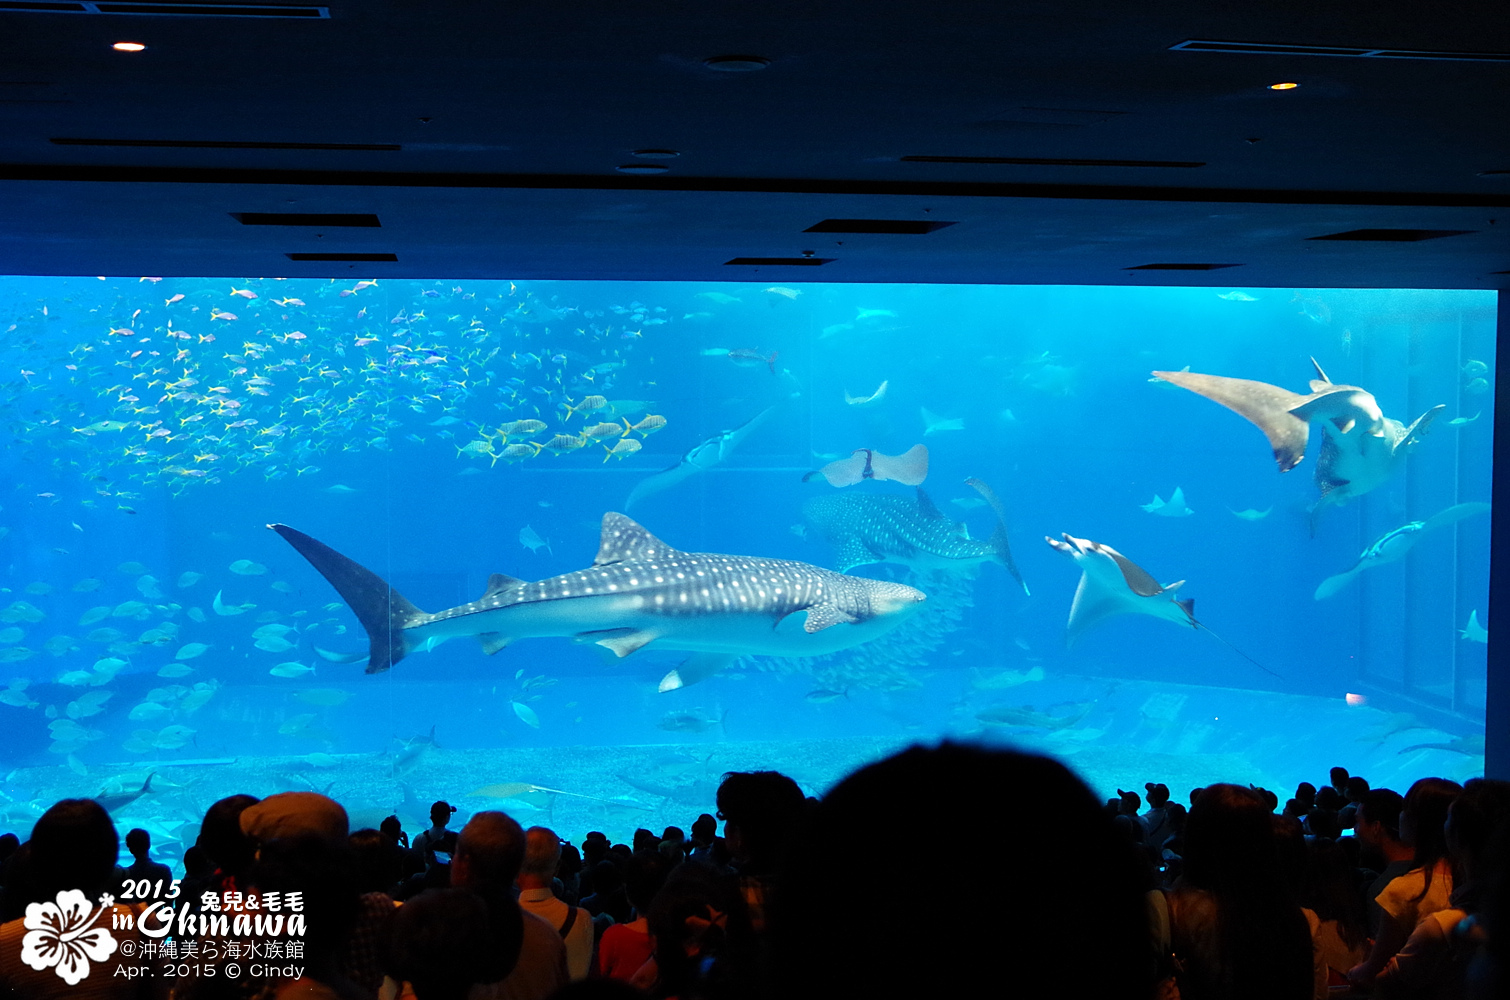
pixel 624 538
pixel 1136 577
pixel 927 507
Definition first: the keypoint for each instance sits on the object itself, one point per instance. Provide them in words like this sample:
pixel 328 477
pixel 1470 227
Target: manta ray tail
pixel 1189 606
pixel 999 536
pixel 382 610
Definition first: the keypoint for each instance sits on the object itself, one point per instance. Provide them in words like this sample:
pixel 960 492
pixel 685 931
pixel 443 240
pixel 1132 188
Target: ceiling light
pixel 736 64
pixel 1283 86
pixel 641 168
pixel 656 154
pixel 128 47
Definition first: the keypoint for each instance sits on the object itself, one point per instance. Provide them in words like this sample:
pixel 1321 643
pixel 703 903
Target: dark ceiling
pixel 487 138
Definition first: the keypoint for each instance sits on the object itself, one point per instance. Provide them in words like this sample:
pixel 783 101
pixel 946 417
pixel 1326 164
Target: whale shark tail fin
pixel 383 611
pixel 999 536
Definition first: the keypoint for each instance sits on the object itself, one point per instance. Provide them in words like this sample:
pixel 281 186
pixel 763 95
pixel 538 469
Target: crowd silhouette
pixel 1021 878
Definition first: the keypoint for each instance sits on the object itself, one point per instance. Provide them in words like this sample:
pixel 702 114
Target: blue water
pixel 353 418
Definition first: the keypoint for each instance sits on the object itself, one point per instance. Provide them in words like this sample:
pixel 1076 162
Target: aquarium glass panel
pixel 576 549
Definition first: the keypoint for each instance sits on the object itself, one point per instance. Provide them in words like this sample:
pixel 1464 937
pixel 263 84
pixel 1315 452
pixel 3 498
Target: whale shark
pixel 638 592
pixel 1361 448
pixel 1393 545
pixel 1112 584
pixel 867 528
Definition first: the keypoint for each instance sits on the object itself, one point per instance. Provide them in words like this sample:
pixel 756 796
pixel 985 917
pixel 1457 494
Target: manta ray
pixel 638 592
pixel 701 457
pixel 867 528
pixel 1393 545
pixel 910 467
pixel 1361 447
pixel 1112 584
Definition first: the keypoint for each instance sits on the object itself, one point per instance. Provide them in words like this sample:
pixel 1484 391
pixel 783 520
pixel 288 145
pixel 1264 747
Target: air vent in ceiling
pixel 325 220
pixel 1034 161
pixel 1179 267
pixel 1053 117
pixel 226 143
pixel 160 9
pixel 778 261
pixel 1392 235
pixel 896 227
pixel 362 257
pixel 1283 49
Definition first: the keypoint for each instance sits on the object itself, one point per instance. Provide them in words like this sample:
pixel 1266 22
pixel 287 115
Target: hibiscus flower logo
pixel 62 936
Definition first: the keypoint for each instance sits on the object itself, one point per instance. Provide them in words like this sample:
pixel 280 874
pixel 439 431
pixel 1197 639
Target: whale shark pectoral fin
pixel 1265 406
pixel 624 538
pixel 822 616
pixel 621 641
pixel 695 668
pixel 851 552
pixel 492 642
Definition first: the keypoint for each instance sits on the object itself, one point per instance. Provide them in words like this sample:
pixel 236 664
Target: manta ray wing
pixel 909 468
pixel 1092 605
pixel 844 472
pixel 1454 514
pixel 1267 407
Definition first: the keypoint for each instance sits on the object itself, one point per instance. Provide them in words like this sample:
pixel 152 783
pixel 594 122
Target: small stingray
pixel 1175 506
pixel 1250 514
pixel 1474 632
pixel 933 423
pixel 909 468
pixel 1112 584
pixel 862 402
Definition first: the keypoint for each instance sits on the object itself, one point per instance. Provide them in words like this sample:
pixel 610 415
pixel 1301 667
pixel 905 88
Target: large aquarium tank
pixel 575 549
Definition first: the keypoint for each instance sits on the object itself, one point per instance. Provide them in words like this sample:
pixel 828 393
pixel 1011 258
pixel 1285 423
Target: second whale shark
pixel 910 531
pixel 638 592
